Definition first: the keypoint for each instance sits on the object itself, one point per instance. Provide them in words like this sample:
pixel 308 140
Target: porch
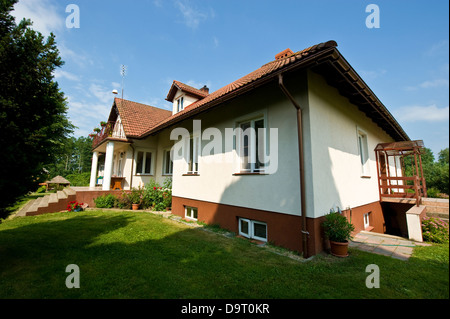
pixel 400 173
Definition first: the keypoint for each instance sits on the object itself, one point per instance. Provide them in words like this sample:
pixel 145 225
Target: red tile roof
pixel 139 118
pixel 228 90
pixel 177 85
pixel 154 120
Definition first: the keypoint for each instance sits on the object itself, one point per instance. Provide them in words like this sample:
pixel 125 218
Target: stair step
pixel 61 195
pixel 435 202
pixel 23 211
pixel 69 191
pixel 437 209
pixel 53 198
pixel 35 205
pixel 44 201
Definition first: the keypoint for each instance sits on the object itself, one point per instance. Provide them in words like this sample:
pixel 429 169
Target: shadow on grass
pixel 129 255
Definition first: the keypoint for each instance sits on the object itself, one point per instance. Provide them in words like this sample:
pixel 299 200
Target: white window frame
pixel 366 219
pixel 251 229
pixel 189 212
pixel 165 156
pixel 253 149
pixel 196 154
pixel 152 164
pixel 363 152
pixel 180 104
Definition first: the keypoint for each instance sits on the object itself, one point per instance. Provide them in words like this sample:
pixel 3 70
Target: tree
pixel 33 110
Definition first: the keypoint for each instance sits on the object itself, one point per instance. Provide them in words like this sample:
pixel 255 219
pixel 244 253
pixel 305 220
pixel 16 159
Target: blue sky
pixel 405 62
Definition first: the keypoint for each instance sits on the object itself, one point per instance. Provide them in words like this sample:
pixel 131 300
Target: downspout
pixel 132 168
pixel 305 233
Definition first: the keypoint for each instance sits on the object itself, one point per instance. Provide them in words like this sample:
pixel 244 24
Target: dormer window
pixel 180 104
pixel 182 96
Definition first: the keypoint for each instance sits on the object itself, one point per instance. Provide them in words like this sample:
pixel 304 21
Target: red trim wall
pixel 282 229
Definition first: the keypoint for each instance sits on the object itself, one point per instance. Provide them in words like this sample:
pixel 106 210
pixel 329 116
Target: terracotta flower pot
pixel 339 249
pixel 135 206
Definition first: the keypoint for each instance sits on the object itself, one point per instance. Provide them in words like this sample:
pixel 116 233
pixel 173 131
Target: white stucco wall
pixel 277 192
pixel 336 164
pixel 187 100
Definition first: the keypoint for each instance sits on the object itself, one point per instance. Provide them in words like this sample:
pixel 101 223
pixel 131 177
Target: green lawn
pixel 142 255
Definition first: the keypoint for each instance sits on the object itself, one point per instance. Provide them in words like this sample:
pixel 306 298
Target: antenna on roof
pixel 123 71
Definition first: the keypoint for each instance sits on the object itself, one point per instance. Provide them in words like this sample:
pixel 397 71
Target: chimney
pixel 205 89
pixel 284 54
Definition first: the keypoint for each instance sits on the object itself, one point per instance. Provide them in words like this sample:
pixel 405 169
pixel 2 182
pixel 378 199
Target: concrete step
pixel 44 201
pixel 35 205
pixel 437 209
pixel 69 191
pixel 23 211
pixel 435 202
pixel 61 195
pixel 53 198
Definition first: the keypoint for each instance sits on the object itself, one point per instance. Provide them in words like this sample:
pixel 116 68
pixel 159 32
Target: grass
pixel 143 255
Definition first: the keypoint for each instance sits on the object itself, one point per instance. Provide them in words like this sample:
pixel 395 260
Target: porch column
pixel 93 180
pixel 108 166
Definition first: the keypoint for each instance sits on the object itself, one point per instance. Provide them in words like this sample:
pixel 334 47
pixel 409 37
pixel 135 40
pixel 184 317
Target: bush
pixel 433 192
pixel 337 228
pixel 434 230
pixel 106 201
pixel 152 196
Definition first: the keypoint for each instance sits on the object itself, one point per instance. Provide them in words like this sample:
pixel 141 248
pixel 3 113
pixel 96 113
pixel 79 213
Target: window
pixel 251 146
pixel 168 163
pixel 180 104
pixel 191 212
pixel 363 153
pixel 366 220
pixel 144 163
pixel 253 229
pixel 193 155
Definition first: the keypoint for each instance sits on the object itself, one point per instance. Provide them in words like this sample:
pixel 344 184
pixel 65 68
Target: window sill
pixel 248 173
pixel 143 174
pixel 191 174
pixel 366 176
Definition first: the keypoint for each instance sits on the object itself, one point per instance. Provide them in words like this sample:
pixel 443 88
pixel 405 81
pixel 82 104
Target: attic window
pixel 180 103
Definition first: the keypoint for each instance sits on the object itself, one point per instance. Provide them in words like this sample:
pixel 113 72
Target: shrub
pixel 337 227
pixel 434 230
pixel 433 192
pixel 106 201
pixel 41 189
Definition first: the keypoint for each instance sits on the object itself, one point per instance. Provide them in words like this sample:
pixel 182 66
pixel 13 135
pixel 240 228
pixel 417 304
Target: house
pixel 268 155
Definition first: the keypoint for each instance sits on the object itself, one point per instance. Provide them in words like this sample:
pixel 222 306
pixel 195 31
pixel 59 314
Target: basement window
pixel 191 212
pixel 253 229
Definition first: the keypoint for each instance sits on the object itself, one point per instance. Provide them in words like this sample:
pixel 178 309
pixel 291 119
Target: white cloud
pixel 101 93
pixel 67 75
pixel 430 113
pixel 438 48
pixel 429 84
pixel 372 74
pixel 191 16
pixel 45 16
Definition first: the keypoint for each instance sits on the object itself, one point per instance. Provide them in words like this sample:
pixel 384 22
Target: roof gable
pixel 177 85
pixel 138 118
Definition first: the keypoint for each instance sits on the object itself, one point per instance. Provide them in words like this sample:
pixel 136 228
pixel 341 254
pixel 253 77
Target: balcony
pixel 111 130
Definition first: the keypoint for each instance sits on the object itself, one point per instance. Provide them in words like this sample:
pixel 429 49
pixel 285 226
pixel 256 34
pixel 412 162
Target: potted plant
pixel 135 197
pixel 338 230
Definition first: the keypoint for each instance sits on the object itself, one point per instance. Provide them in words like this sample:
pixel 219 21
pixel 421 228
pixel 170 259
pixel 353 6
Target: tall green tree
pixel 33 110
